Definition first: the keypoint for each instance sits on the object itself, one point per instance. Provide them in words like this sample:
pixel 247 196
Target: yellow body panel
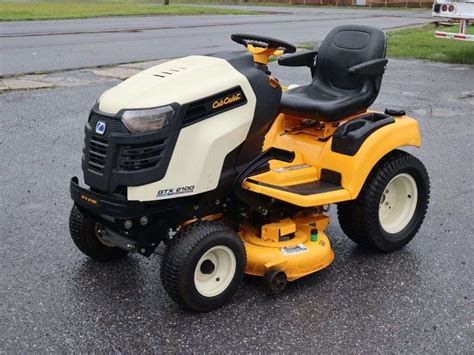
pixel 262 55
pixel 296 257
pixel 313 154
pixel 273 231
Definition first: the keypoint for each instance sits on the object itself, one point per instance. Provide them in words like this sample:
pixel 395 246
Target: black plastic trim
pixel 331 176
pixel 395 112
pixel 102 204
pixel 110 175
pixel 112 211
pixel 371 68
pixel 350 136
pixel 266 109
pixel 201 109
pixel 245 39
pixel 299 59
pixel 174 211
pixel 269 154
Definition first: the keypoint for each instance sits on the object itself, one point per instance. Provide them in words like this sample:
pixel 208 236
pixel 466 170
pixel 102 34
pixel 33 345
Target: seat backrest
pixel 344 47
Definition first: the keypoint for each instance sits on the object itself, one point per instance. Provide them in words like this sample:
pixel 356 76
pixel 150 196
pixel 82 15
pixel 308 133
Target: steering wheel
pixel 263 42
pixel 263 47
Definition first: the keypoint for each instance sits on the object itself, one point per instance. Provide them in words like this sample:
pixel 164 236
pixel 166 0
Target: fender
pixel 317 161
pixel 355 169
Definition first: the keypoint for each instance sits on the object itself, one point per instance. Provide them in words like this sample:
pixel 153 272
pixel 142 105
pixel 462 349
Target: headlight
pixel 147 120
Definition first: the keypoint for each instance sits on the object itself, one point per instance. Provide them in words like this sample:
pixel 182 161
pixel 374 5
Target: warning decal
pixel 297 249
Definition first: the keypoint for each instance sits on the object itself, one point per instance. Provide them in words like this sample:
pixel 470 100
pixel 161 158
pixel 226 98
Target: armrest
pixel 305 59
pixel 374 67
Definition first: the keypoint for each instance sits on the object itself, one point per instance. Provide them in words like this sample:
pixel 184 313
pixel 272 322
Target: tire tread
pixel 177 254
pixel 359 218
pixel 82 231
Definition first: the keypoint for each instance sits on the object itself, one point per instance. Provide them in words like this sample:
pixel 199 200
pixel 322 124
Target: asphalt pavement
pixel 417 300
pixel 38 46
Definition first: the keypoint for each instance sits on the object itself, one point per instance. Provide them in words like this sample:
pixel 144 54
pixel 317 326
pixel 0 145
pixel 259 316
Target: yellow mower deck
pixel 289 246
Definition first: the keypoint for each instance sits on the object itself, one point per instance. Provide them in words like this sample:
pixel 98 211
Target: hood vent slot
pixel 169 72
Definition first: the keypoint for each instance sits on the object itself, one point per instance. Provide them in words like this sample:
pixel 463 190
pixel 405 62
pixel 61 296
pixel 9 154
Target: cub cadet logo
pixel 227 100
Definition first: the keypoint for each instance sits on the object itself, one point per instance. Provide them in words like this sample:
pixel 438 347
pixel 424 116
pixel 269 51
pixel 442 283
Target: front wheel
pixel 391 206
pixel 204 266
pixel 86 233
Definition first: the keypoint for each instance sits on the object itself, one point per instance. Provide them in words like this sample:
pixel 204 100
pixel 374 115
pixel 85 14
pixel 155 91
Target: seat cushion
pixel 325 105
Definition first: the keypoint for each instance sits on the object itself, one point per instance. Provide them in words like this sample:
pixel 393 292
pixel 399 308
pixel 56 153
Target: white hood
pixel 181 80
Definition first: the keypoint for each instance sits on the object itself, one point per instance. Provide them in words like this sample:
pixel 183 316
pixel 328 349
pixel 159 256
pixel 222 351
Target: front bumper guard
pixel 104 205
pixel 113 211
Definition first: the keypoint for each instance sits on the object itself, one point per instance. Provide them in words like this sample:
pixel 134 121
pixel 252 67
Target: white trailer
pixel 462 10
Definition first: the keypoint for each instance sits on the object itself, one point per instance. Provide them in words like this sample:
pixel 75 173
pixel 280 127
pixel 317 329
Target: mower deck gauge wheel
pixel 275 281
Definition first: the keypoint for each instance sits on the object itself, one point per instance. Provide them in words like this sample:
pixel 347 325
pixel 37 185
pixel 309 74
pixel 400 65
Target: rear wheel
pixel 203 268
pixel 86 233
pixel 391 206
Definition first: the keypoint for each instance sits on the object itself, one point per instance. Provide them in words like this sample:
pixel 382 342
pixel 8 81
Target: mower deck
pixel 297 246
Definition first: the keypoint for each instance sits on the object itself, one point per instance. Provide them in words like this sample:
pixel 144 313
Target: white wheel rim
pixel 398 203
pixel 214 271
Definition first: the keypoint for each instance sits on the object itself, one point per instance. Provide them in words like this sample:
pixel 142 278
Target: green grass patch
pixel 70 10
pixel 421 43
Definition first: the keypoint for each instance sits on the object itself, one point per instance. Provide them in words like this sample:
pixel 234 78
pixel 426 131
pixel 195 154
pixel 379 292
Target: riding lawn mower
pixel 234 172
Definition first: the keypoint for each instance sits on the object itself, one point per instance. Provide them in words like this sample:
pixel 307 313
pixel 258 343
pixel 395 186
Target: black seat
pixel 347 74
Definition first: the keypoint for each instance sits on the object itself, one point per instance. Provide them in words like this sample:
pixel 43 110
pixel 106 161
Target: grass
pixel 421 43
pixel 72 9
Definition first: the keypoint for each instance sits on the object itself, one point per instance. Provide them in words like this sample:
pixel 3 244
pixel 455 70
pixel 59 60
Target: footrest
pixel 307 188
pixel 308 194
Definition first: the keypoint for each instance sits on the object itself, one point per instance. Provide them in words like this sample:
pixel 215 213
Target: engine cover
pixel 198 156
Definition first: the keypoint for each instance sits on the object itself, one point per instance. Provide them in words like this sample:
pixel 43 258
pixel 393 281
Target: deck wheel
pixel 275 281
